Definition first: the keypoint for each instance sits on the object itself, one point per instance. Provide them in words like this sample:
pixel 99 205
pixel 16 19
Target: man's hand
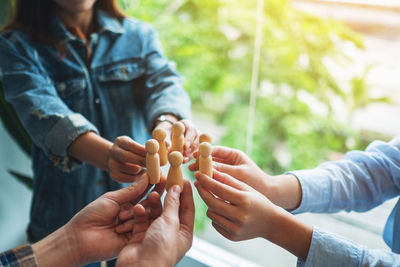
pixel 164 241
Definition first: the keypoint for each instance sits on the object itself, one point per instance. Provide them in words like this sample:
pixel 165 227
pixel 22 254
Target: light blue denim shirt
pixel 360 182
pixel 127 84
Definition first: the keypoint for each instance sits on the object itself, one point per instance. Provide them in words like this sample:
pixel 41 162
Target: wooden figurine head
pixel 159 134
pixel 152 146
pixel 205 149
pixel 175 158
pixel 178 128
pixel 205 138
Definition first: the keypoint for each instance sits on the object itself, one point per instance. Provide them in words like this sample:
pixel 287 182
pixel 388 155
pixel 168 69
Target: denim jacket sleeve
pixel 363 180
pixel 330 250
pixel 50 123
pixel 165 93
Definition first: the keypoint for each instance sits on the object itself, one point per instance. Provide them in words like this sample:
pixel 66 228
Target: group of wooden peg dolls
pixel 158 155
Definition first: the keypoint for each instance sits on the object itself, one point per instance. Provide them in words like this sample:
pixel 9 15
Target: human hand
pixel 126 160
pixel 191 140
pixel 164 241
pixel 90 235
pixel 237 164
pixel 237 211
pixel 191 135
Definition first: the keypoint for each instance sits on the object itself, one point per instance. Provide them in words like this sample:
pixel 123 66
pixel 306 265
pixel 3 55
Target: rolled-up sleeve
pixel 359 182
pixel 164 90
pixel 328 250
pixel 47 119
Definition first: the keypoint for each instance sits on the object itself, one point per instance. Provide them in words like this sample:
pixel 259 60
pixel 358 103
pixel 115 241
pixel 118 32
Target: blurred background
pixel 324 80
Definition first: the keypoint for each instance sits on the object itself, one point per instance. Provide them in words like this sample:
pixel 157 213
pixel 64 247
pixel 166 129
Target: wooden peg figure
pixel 175 176
pixel 153 161
pixel 159 134
pixel 205 160
pixel 177 138
pixel 203 138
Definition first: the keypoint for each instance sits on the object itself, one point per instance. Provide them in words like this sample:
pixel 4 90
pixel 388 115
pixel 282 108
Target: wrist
pixel 164 120
pixel 57 249
pixel 284 191
pixel 290 233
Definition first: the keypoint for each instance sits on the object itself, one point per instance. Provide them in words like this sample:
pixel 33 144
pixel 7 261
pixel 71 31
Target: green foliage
pixel 25 180
pixel 212 44
pixel 13 125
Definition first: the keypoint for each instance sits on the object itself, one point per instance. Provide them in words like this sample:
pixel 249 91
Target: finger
pixel 129 193
pixel 216 204
pixel 128 144
pixel 222 221
pixel 225 168
pixel 187 209
pixel 141 223
pixel 222 231
pixel 126 212
pixel 160 187
pixel 192 167
pixel 155 205
pixel 124 227
pixel 218 188
pixel 171 203
pixel 227 154
pixel 124 178
pixel 142 195
pixel 229 180
pixel 123 155
pixel 128 168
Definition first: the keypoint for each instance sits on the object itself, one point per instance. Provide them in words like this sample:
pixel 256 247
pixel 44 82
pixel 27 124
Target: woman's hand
pixel 126 160
pixel 239 212
pixel 237 164
pixel 191 140
pixel 191 136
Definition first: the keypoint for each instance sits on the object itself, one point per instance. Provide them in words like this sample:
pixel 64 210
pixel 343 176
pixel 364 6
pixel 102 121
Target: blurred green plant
pixel 212 43
pixel 359 96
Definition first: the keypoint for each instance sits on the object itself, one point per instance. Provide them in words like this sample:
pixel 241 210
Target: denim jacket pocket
pixel 120 83
pixel 71 91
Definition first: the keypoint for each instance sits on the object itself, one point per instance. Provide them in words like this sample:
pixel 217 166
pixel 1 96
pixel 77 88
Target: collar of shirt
pixel 104 21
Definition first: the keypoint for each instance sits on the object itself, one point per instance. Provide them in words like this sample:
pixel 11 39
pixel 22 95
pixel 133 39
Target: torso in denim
pixel 57 98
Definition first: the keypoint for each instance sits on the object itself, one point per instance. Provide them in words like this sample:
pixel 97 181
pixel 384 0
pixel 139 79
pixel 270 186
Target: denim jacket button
pixel 97 101
pixel 61 87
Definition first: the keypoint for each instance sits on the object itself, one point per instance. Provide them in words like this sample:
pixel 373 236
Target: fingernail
pixel 176 189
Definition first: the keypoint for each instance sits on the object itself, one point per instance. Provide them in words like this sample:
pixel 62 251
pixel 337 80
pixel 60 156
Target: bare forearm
pixel 291 234
pixel 91 148
pixel 57 249
pixel 284 191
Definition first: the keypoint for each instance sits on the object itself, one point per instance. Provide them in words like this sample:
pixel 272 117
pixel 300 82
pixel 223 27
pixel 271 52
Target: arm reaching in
pixel 81 240
pixel 165 241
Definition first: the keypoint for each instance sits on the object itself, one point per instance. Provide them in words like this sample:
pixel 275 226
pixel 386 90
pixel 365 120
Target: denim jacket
pixel 126 86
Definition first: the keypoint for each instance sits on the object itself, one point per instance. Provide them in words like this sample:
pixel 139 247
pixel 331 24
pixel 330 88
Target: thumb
pixel 225 168
pixel 129 193
pixel 171 203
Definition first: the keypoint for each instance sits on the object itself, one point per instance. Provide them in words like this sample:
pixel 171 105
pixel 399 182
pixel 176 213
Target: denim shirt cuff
pixel 329 250
pixel 64 132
